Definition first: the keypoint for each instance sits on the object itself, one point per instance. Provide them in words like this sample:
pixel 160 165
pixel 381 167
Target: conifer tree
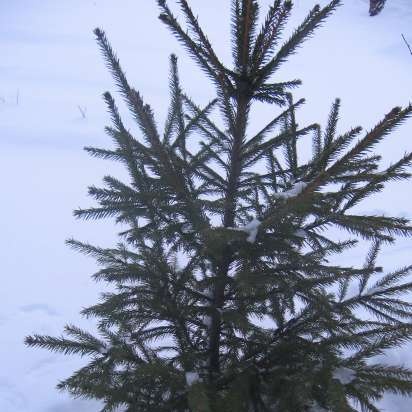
pixel 225 295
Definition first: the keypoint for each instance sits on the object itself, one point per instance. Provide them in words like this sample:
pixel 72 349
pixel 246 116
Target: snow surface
pixel 51 64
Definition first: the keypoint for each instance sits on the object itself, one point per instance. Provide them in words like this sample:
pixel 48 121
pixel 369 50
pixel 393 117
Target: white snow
pixel 344 375
pixel 192 377
pixel 128 341
pixel 121 367
pixel 295 190
pixel 251 229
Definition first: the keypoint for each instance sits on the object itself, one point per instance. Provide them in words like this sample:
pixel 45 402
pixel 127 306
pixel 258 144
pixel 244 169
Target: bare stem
pixel 407 44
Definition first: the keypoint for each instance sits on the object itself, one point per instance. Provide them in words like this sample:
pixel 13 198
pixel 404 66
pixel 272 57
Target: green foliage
pixel 225 297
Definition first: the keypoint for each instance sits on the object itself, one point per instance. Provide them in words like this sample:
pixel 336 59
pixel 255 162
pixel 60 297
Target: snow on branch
pixel 251 229
pixel 294 191
pixel 128 341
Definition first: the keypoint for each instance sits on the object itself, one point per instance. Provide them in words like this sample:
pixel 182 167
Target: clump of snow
pixel 128 341
pixel 251 229
pixel 344 375
pixel 192 377
pixel 295 190
pixel 121 367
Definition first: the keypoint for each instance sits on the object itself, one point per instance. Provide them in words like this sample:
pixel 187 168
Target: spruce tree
pixel 225 295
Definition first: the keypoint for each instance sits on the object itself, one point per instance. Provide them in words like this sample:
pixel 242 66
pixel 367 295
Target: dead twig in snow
pixel 82 111
pixel 407 44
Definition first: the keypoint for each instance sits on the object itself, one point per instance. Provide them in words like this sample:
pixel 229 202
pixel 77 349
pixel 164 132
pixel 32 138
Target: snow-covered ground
pixel 50 66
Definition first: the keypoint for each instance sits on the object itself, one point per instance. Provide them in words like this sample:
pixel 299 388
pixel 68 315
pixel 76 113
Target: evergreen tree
pixel 225 295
